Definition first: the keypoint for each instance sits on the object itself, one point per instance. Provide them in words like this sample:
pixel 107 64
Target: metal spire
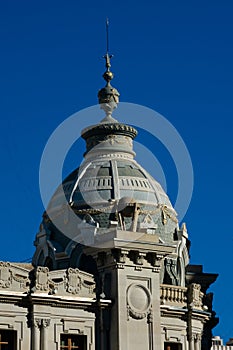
pixel 107 35
pixel 108 76
pixel 108 96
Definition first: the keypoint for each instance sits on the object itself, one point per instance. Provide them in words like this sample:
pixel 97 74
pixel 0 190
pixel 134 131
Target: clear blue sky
pixel 173 56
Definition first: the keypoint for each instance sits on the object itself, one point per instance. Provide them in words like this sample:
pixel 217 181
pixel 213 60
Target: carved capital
pixel 36 322
pixel 191 337
pixel 45 322
pixel 198 338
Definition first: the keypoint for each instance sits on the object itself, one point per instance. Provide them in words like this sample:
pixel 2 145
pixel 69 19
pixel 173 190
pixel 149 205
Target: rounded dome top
pixel 110 186
pixel 101 181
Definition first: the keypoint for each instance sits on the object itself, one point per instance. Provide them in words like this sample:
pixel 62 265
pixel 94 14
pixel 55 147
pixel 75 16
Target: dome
pixel 102 182
pixel 110 185
pixel 108 191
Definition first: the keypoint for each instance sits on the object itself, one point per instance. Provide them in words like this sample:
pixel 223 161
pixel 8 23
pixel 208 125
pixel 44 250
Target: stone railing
pixel 173 295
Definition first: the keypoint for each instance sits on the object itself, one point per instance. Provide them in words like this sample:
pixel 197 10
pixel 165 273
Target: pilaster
pixel 45 323
pixel 129 276
pixel 35 329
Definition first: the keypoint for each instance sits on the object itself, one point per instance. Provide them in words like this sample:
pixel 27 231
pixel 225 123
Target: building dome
pixel 110 180
pixel 109 190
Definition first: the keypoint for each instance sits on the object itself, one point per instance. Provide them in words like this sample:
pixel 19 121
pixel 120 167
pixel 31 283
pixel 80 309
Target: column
pixel 198 342
pixel 191 342
pixel 35 332
pixel 44 333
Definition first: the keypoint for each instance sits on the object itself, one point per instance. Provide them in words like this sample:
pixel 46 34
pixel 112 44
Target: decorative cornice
pixel 109 129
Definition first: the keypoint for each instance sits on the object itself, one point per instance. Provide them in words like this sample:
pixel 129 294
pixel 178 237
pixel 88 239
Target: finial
pixel 108 96
pixel 107 35
pixel 108 76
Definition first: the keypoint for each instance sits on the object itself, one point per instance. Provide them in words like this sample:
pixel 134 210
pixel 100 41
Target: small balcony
pixel 173 295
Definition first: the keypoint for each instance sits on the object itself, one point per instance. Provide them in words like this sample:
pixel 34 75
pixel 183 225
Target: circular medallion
pixel 138 300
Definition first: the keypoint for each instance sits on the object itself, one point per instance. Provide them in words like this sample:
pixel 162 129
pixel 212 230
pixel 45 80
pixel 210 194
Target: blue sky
pixel 172 56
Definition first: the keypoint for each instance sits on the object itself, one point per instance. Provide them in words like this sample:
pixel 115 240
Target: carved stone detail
pixel 5 275
pixel 120 255
pixel 150 316
pixel 36 322
pixel 137 257
pixel 45 322
pixel 74 281
pixel 191 337
pixel 14 277
pixel 170 265
pixel 195 296
pixel 198 338
pixel 173 294
pixel 155 260
pixel 139 302
pixel 22 280
pixel 42 282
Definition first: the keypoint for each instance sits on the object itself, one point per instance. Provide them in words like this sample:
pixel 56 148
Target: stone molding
pixel 127 257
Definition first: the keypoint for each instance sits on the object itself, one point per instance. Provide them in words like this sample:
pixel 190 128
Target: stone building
pixel 111 267
pixel 217 344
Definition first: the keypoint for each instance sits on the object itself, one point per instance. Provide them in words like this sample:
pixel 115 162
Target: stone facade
pixel 111 268
pixel 38 306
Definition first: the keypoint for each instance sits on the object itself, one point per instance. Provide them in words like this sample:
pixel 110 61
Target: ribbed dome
pixel 110 184
pixel 102 181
